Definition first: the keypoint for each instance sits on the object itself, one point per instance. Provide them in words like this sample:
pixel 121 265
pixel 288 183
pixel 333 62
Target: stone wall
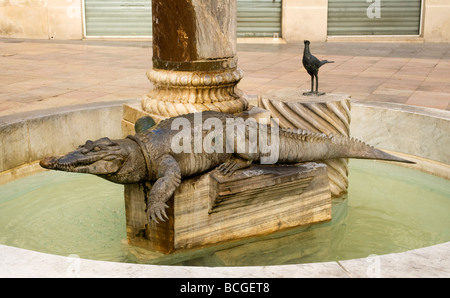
pixel 28 137
pixel 436 21
pixel 304 19
pixel 307 19
pixel 301 19
pixel 41 19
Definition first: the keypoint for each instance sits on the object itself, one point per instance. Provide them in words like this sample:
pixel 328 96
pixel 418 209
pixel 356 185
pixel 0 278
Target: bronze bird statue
pixel 312 65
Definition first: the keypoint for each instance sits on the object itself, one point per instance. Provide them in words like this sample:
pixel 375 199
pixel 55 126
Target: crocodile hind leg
pixel 233 164
pixel 169 178
pixel 241 140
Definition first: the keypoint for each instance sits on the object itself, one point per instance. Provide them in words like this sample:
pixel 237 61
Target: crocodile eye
pixel 96 148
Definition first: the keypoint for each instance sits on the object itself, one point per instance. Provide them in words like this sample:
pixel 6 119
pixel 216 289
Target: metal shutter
pixel 122 18
pixel 118 18
pixel 258 18
pixel 374 17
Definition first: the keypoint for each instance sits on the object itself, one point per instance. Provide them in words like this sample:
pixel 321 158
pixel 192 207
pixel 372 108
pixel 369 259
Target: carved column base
pixel 181 92
pixel 329 114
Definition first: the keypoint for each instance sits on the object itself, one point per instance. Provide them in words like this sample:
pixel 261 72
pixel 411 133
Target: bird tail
pixel 325 62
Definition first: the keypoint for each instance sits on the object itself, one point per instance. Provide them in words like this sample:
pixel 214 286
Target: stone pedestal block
pixel 212 208
pixel 329 114
pixel 132 112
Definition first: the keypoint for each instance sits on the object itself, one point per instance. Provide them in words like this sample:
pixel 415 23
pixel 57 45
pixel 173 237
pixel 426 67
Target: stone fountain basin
pixel 417 133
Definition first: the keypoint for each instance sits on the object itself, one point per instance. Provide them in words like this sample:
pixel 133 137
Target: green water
pixel 388 209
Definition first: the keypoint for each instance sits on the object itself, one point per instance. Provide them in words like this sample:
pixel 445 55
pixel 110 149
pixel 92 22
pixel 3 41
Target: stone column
pixel 194 58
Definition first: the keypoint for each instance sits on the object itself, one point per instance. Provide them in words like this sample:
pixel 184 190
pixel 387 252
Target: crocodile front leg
pixel 169 178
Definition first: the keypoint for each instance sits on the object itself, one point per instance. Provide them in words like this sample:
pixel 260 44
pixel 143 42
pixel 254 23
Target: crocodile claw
pixel 228 167
pixel 157 211
pixel 232 165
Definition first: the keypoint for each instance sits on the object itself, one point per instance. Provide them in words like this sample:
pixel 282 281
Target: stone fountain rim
pixel 431 261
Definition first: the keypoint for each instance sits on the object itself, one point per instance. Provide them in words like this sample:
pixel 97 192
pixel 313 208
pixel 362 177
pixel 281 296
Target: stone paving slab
pixel 41 74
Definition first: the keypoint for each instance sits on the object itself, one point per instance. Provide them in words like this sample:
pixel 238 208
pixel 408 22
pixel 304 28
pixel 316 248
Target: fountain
pixel 207 81
pixel 236 200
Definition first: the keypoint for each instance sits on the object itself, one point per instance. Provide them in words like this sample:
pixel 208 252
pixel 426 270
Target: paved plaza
pixel 41 74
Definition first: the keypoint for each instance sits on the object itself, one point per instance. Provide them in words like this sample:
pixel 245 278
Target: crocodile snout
pixel 48 162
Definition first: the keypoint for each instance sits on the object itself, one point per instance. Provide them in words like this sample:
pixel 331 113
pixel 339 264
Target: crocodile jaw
pixel 80 164
pixel 101 157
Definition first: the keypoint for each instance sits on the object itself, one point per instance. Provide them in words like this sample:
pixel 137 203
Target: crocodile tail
pixel 354 148
pixel 300 146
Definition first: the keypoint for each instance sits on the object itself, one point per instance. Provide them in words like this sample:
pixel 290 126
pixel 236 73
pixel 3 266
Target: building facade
pixel 293 20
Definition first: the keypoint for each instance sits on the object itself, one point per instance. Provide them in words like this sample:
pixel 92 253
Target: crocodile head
pixel 106 158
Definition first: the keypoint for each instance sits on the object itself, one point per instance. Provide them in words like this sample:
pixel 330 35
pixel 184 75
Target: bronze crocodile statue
pixel 187 145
